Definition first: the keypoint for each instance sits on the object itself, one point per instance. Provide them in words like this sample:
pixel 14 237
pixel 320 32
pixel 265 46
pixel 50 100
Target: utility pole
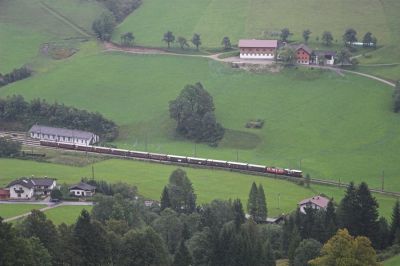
pixel 383 180
pixel 195 149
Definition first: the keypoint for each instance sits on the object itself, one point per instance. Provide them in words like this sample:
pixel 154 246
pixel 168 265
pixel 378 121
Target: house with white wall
pixel 63 135
pixel 26 188
pixel 82 190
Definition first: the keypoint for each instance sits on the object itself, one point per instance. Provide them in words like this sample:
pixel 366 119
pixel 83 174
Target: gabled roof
pixel 83 186
pixel 65 132
pixel 304 47
pixel 32 182
pixel 317 200
pixel 323 53
pixel 258 43
pixel 25 182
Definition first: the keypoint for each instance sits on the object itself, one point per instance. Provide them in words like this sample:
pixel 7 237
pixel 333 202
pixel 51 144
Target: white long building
pixel 63 135
pixel 258 49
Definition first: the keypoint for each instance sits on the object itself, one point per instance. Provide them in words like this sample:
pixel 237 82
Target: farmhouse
pixel 324 57
pixel 63 135
pixel 26 188
pixel 82 190
pixel 316 202
pixel 258 49
pixel 303 54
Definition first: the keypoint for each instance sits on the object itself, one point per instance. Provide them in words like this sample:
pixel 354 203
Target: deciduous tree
pixel 396 98
pixel 183 42
pixel 104 26
pixel 306 35
pixel 285 33
pixel 308 249
pixel 350 36
pixel 226 42
pixel 196 40
pixel 168 38
pixel 327 38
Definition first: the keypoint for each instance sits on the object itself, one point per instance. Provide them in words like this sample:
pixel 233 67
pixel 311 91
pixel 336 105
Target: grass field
pixel 25 25
pixel 11 210
pixel 395 261
pixel 150 179
pixel 66 214
pixel 335 127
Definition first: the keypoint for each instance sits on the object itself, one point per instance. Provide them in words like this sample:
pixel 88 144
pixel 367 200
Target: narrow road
pixel 49 207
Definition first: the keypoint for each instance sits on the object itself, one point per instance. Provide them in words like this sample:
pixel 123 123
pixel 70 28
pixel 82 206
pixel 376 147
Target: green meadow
pixel 150 178
pixel 65 214
pixel 331 126
pixel 395 261
pixel 11 210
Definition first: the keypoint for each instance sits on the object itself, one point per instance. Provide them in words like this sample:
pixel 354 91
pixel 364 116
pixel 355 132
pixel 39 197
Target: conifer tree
pixel 348 211
pixel 252 205
pixel 165 202
pixel 182 256
pixel 383 235
pixel 330 220
pixel 287 229
pixel 268 255
pixel 395 225
pixel 294 243
pixel 367 223
pixel 238 212
pixel 261 204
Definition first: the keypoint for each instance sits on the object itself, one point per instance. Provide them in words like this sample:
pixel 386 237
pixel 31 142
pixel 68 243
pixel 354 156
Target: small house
pixel 82 190
pixel 324 57
pixel 26 188
pixel 63 135
pixel 316 202
pixel 258 49
pixel 303 54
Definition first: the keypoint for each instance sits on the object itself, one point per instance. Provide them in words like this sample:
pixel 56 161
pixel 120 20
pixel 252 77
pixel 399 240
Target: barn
pixel 63 135
pixel 258 49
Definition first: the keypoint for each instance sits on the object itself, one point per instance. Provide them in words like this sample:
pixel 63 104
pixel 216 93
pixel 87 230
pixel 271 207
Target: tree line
pixel 15 109
pixel 121 230
pixel 121 8
pixel 15 75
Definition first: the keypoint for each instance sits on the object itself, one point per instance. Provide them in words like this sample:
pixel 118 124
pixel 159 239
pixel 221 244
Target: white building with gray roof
pixel 26 188
pixel 63 135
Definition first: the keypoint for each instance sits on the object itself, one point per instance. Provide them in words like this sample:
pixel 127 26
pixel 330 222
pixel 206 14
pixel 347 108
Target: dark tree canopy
pixel 193 111
pixel 308 249
pixel 8 147
pixel 183 42
pixel 104 26
pixel 306 35
pixel 350 36
pixel 327 38
pixel 127 39
pixel 121 8
pixel 285 33
pixel 396 98
pixel 169 38
pixel 226 42
pixel 15 75
pixel 180 193
pixel 196 40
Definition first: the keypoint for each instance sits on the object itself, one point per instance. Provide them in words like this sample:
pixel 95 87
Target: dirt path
pixel 28 213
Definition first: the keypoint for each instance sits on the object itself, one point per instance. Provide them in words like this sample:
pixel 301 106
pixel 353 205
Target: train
pixel 175 158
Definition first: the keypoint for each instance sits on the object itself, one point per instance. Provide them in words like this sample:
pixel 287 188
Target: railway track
pixel 27 141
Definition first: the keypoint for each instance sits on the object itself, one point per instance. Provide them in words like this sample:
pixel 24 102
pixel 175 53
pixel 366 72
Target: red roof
pixel 317 200
pixel 258 43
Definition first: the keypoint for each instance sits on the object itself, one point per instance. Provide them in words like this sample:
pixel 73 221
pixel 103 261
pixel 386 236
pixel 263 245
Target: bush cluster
pixel 15 75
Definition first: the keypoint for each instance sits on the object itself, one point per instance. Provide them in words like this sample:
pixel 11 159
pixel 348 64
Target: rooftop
pixel 258 43
pixel 317 200
pixel 31 182
pixel 83 186
pixel 61 132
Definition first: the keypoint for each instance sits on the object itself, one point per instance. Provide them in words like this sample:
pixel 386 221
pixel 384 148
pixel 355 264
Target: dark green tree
pixel 143 247
pixel 367 223
pixel 182 256
pixel 9 147
pixel 285 33
pixel 37 225
pixel 183 42
pixel 90 240
pixel 268 258
pixel 168 38
pixel 288 56
pixel 330 220
pixel 294 243
pixel 180 192
pixel 56 194
pixel 226 42
pixel 127 39
pixel 348 211
pixel 261 204
pixel 343 57
pixel 193 111
pixel 165 202
pixel 395 224
pixel 252 203
pixel 201 247
pixel 350 36
pixel 104 26
pixel 169 226
pixel 369 40
pixel 306 35
pixel 327 38
pixel 240 217
pixel 196 40
pixel 383 234
pixel 396 98
pixel 308 249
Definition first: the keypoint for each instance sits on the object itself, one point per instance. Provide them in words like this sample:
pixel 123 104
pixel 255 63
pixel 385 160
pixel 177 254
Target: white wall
pixel 256 56
pixel 80 193
pixel 28 193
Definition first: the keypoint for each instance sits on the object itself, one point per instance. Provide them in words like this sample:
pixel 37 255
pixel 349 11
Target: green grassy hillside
pixel 395 261
pixel 150 179
pixel 66 214
pixel 338 127
pixel 26 24
pixel 11 210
